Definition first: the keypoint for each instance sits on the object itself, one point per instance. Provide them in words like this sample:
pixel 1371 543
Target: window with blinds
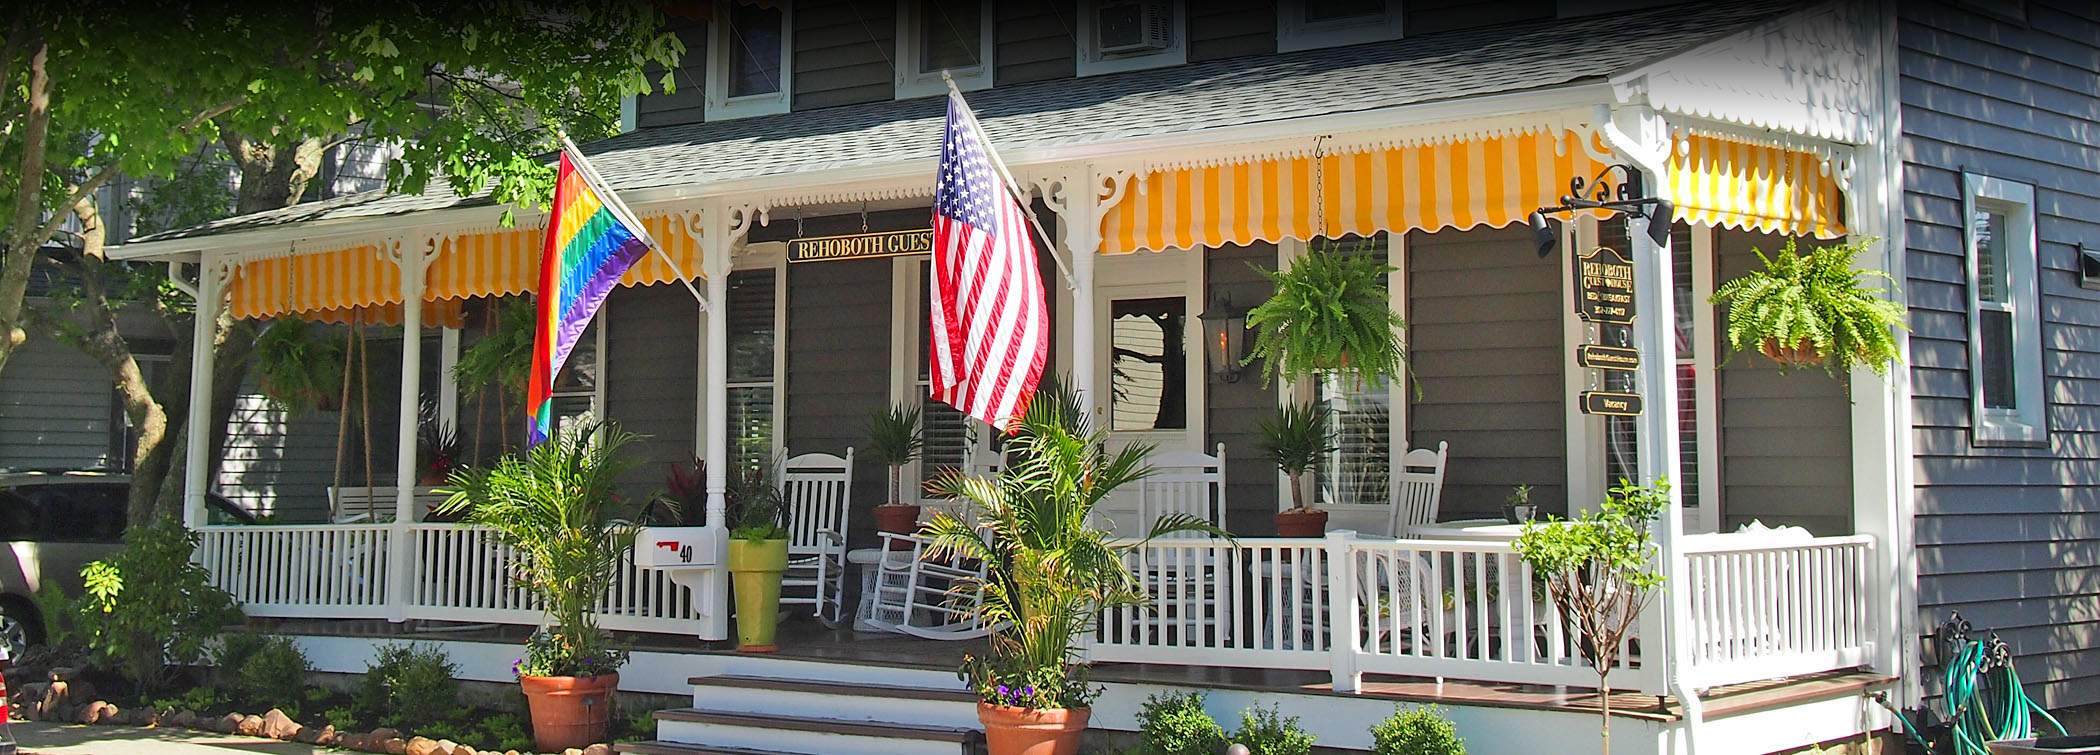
pixel 2005 348
pixel 1621 450
pixel 575 394
pixel 946 431
pixel 752 380
pixel 1360 416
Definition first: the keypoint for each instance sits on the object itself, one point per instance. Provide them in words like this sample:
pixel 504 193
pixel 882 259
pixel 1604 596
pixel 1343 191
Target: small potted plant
pixel 894 440
pixel 555 504
pixel 299 369
pixel 1331 313
pixel 758 554
pixel 437 450
pixel 1517 508
pixel 1804 309
pixel 684 500
pixel 1295 439
pixel 1039 596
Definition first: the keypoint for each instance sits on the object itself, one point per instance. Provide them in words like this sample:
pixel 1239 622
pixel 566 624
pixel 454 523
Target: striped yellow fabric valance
pixel 1737 184
pixel 321 286
pixel 1494 181
pixel 1461 184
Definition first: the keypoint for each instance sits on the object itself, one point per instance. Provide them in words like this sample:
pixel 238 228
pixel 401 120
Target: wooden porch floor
pixel 808 640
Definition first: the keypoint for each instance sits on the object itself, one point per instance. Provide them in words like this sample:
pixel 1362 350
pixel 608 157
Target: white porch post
pixel 718 241
pixel 1087 193
pixel 1643 138
pixel 400 552
pixel 1882 486
pixel 211 278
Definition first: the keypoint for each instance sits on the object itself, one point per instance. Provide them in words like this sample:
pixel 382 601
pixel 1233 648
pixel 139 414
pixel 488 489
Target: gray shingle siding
pixel 2010 537
pixel 1485 343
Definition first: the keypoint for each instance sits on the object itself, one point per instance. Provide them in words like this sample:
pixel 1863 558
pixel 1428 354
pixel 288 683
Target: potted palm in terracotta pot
pixel 1048 571
pixel 758 554
pixel 555 503
pixel 1295 439
pixel 894 440
pixel 1805 309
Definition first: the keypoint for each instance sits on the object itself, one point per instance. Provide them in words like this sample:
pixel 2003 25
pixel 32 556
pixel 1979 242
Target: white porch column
pixel 1644 139
pixel 1082 195
pixel 724 225
pixel 400 552
pixel 211 278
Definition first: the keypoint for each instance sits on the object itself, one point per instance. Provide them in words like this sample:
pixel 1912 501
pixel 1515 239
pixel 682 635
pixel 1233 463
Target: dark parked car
pixel 51 525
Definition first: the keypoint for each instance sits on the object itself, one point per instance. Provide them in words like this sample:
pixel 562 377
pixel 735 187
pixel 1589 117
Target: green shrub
pixel 235 648
pixel 1417 731
pixel 274 676
pixel 148 605
pixel 198 699
pixel 506 731
pixel 1266 731
pixel 408 687
pixel 1175 724
pixel 341 718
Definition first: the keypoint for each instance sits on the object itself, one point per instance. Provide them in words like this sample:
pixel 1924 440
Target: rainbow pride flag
pixel 591 241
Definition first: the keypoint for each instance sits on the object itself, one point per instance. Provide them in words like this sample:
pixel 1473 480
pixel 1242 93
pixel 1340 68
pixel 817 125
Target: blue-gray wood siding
pixel 2010 537
pixel 1785 437
pixel 1230 28
pixel 652 373
pixel 686 102
pixel 1236 410
pixel 1485 352
pixel 843 53
pixel 55 409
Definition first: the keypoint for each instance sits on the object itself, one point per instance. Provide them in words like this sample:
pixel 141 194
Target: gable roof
pixel 1104 109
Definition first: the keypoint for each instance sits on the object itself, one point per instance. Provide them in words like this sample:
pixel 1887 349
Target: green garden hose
pixel 1983 698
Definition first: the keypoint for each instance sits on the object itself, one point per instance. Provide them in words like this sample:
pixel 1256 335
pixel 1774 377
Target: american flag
pixel 990 328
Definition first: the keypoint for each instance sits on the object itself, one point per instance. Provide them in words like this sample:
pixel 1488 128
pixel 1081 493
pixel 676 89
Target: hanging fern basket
pixel 1797 355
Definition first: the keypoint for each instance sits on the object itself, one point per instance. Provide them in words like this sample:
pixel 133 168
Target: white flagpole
pixel 1012 186
pixel 619 210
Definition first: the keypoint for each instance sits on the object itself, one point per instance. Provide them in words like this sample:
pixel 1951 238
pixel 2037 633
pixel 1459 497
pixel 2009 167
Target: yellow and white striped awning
pixel 327 286
pixel 1493 181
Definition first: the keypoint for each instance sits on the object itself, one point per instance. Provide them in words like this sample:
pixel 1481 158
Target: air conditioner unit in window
pixel 1134 27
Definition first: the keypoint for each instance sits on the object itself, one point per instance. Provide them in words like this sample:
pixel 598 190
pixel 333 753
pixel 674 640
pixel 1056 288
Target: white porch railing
pixel 456 573
pixel 1763 609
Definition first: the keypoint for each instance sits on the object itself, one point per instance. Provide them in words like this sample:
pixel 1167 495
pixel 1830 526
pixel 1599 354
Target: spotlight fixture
pixel 1544 234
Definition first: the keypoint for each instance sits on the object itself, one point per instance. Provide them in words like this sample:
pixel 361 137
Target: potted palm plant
pixel 758 553
pixel 1295 439
pixel 1804 309
pixel 894 440
pixel 1048 571
pixel 555 504
pixel 1331 314
pixel 437 448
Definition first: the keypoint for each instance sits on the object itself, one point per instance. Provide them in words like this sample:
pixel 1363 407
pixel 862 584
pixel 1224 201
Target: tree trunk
pixel 272 176
pixel 22 241
pixel 1604 704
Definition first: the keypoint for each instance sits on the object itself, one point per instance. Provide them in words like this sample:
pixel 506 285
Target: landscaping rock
pixel 329 737
pixel 383 734
pixel 251 726
pixel 572 751
pixel 185 718
pixel 598 749
pixel 396 746
pixel 56 698
pixel 277 725
pixel 96 712
pixel 447 747
pixel 228 723
pixel 465 750
pixel 354 741
pixel 424 746
pixel 28 696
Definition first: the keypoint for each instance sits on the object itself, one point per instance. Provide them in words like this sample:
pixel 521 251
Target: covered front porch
pixel 789 357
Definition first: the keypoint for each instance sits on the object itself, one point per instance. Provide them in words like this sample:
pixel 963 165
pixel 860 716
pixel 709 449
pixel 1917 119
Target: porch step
pixel 872 703
pixel 810 735
pixel 674 748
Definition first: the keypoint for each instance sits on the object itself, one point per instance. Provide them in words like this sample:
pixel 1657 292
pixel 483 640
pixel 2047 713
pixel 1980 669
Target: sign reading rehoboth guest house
pixel 855 246
pixel 1604 286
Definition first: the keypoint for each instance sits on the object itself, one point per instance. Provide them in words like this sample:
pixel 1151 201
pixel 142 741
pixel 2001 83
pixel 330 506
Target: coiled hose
pixel 1984 701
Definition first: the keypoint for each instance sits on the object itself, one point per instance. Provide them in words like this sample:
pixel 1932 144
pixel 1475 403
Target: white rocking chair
pixel 914 595
pixel 818 490
pixel 1184 591
pixel 1418 489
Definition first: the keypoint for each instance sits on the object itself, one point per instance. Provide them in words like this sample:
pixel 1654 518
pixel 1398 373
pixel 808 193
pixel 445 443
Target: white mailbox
pixel 679 547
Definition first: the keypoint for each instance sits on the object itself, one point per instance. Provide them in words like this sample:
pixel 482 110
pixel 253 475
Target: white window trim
pixel 1089 61
pixel 1292 34
pixel 2027 423
pixel 769 256
pixel 720 106
pixel 913 82
pixel 1706 409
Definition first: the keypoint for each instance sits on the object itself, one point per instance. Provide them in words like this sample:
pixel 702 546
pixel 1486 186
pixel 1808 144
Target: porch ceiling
pixel 1096 110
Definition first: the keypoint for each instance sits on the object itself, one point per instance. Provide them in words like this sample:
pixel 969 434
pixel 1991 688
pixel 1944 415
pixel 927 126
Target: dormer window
pixel 1311 24
pixel 1130 35
pixel 943 35
pixel 747 65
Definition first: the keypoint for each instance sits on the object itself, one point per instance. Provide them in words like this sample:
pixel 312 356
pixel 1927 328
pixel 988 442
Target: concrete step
pixel 773 667
pixel 674 748
pixel 810 735
pixel 733 693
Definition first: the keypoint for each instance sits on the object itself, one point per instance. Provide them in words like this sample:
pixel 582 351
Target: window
pixel 1130 35
pixel 1310 24
pixel 753 374
pixel 1148 364
pixel 1697 413
pixel 2005 346
pixel 951 438
pixel 747 65
pixel 579 387
pixel 943 35
pixel 1360 416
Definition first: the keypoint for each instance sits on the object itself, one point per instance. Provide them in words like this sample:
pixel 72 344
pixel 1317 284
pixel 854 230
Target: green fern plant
pixel 299 367
pixel 1812 307
pixel 1331 313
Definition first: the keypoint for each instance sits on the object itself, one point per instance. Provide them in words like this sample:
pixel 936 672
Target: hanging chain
pixel 863 216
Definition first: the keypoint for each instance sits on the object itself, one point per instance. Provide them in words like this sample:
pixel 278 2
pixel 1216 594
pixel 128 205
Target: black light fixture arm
pixel 1628 195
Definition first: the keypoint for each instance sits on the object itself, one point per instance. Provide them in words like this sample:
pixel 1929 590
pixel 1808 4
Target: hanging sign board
pixel 1604 286
pixel 854 246
pixel 1607 357
pixel 1611 404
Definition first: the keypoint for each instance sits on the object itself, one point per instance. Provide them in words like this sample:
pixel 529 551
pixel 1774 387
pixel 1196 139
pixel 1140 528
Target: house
pixel 1168 161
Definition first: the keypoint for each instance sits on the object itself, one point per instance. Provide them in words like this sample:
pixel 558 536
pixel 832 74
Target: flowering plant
pixel 1015 686
pixel 549 653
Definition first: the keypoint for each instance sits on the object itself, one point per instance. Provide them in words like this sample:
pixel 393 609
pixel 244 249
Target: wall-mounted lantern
pixel 1225 336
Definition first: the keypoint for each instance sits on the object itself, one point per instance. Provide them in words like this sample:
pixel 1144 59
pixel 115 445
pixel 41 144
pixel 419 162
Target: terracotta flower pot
pixel 1799 354
pixel 754 569
pixel 430 479
pixel 1032 731
pixel 897 519
pixel 1301 523
pixel 569 711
